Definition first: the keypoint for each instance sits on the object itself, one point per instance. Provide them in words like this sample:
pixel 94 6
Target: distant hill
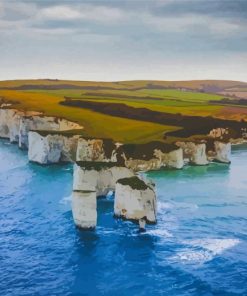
pixel 208 86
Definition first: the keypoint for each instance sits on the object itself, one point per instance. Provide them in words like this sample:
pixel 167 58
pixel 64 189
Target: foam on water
pixel 66 200
pixel 199 251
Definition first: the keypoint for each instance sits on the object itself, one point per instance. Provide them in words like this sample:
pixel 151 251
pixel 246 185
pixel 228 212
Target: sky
pixel 110 40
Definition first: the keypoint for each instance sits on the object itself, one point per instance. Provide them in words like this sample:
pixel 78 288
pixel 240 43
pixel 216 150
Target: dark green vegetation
pixel 134 182
pixel 96 165
pixel 133 111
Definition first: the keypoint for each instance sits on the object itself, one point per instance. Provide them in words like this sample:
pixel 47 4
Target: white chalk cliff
pixel 102 180
pixel 172 159
pixel 195 152
pixel 84 209
pixel 133 201
pixel 42 123
pixel 96 150
pixel 51 148
pixel 222 152
pixel 15 125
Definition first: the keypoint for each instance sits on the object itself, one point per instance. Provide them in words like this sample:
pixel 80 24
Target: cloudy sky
pixel 123 39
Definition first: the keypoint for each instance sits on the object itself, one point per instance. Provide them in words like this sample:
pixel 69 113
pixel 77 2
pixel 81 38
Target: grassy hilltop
pixel 89 104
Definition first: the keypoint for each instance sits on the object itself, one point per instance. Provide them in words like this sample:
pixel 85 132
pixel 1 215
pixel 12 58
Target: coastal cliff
pixel 150 156
pixel 102 165
pixel 16 125
pixel 195 152
pixel 96 150
pixel 46 143
pixel 51 148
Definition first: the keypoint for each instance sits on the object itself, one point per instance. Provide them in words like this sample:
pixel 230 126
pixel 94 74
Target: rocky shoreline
pixel 101 165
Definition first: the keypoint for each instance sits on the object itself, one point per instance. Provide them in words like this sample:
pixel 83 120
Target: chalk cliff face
pixel 98 150
pixel 135 200
pixel 222 151
pixel 84 209
pixel 15 125
pixel 152 158
pixel 9 124
pixel 42 123
pixel 51 148
pixel 195 152
pixel 100 179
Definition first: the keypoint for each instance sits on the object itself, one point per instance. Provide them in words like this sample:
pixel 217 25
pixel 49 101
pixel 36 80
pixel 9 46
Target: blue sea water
pixel 198 247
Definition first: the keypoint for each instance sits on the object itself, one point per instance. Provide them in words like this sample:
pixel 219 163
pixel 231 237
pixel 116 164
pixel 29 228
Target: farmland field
pixel 191 98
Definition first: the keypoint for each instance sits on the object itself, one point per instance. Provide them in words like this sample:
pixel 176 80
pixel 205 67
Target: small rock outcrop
pixel 195 152
pixel 48 148
pixel 84 209
pixel 135 200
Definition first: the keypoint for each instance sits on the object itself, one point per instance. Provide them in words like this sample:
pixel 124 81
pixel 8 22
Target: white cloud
pixel 191 22
pixel 61 12
pixel 82 12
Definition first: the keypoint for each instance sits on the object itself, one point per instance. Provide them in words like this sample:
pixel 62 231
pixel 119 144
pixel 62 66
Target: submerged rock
pixel 142 224
pixel 135 200
pixel 195 152
pixel 84 209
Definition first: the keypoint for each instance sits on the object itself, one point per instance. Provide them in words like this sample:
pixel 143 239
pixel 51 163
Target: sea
pixel 198 247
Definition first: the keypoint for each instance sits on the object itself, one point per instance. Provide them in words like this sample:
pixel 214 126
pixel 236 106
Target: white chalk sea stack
pixel 223 152
pixel 99 177
pixel 194 152
pixel 135 200
pixel 84 209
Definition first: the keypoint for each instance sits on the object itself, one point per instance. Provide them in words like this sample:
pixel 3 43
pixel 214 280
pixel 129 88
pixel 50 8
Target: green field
pixel 168 97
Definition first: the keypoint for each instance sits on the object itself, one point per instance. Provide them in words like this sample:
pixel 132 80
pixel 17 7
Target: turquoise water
pixel 198 247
